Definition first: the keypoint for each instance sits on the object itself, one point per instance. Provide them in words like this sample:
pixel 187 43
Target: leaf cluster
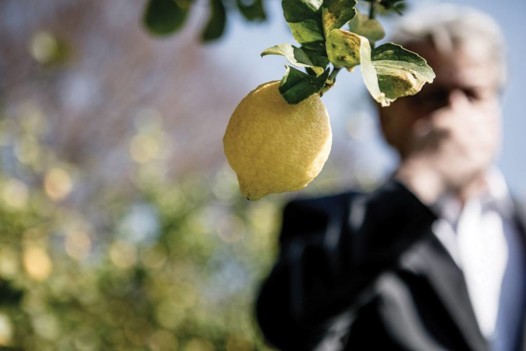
pixel 165 17
pixel 389 71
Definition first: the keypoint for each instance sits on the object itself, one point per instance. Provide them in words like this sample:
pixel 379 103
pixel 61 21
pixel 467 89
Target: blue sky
pixel 241 47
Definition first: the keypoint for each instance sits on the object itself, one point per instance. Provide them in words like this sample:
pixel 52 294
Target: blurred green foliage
pixel 163 266
pixel 165 17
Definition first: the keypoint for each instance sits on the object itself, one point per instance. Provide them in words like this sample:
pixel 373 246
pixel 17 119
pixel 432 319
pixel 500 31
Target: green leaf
pixel 335 13
pixel 216 22
pixel 315 46
pixel 306 31
pixel 391 71
pixel 318 56
pixel 164 17
pixel 304 20
pixel 370 28
pixel 296 86
pixel 400 71
pixel 343 48
pixel 369 74
pixel 294 55
pixel 300 10
pixel 252 10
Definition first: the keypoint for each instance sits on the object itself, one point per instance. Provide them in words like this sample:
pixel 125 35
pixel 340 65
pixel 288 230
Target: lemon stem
pixel 334 73
pixel 331 80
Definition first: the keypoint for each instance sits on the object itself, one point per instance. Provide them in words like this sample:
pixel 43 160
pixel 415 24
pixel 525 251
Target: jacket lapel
pixel 448 281
pixel 519 215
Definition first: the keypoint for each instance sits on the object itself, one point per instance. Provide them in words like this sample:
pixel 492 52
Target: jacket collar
pixel 520 218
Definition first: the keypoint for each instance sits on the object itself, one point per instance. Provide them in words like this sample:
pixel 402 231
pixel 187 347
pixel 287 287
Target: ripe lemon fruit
pixel 274 146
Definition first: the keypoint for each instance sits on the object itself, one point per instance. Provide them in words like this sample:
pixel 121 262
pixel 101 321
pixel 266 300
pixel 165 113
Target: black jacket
pixel 365 272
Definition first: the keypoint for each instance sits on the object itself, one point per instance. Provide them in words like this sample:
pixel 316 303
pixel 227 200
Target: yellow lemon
pixel 274 146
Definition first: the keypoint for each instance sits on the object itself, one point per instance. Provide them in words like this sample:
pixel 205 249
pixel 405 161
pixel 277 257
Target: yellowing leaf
pixel 335 13
pixel 397 80
pixel 400 71
pixel 390 72
pixel 343 48
pixel 369 75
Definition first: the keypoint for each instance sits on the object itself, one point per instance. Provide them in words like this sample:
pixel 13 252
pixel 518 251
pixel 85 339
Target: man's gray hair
pixel 449 26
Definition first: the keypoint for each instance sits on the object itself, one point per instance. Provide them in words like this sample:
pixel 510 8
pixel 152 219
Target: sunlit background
pixel 121 225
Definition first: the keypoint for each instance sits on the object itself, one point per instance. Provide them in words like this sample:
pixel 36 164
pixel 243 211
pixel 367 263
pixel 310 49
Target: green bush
pixel 163 265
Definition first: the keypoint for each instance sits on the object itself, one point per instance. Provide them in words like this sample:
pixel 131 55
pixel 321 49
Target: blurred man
pixel 434 259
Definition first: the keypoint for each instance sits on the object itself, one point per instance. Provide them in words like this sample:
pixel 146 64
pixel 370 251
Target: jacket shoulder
pixel 310 215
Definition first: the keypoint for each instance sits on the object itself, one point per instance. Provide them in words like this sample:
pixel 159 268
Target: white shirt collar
pixel 495 196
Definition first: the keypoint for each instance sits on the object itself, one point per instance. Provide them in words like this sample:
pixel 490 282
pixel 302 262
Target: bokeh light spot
pixel 6 330
pixel 78 244
pixel 37 263
pixel 168 314
pixel 47 326
pixel 8 262
pixel 163 340
pixel 154 257
pixel 237 343
pixel 230 229
pixel 44 47
pixel 27 151
pixel 15 194
pixel 58 183
pixel 198 344
pixel 144 148
pixel 123 254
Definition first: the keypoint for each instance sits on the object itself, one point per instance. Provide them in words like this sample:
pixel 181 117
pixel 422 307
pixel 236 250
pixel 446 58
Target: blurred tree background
pixel 121 225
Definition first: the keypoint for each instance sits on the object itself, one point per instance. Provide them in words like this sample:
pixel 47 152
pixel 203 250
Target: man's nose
pixel 456 98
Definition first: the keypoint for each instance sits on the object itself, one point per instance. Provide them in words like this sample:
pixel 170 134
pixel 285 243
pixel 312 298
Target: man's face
pixel 465 75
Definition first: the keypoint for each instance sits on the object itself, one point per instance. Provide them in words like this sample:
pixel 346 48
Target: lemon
pixel 274 146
